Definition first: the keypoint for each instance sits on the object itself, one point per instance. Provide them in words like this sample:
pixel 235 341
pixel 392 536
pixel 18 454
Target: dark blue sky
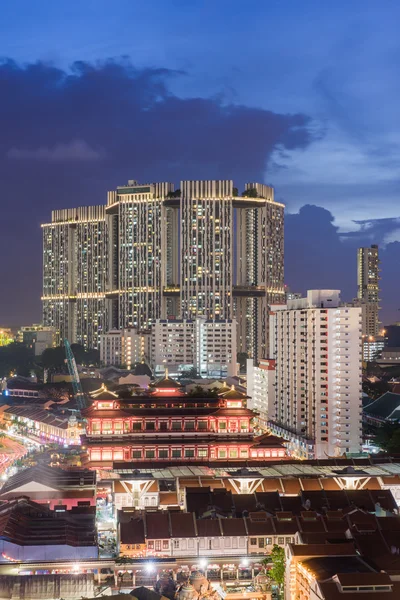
pixel 301 95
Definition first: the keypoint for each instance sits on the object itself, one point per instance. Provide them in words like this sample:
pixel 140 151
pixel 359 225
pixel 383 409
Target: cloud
pixel 318 255
pixel 75 150
pixel 58 127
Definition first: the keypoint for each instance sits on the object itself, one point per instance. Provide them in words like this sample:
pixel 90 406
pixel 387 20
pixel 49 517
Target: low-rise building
pixel 44 424
pixel 335 571
pixel 31 531
pixel 52 486
pixel 37 337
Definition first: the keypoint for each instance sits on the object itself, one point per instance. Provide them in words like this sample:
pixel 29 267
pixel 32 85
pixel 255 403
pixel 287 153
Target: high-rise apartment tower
pixel 200 251
pixel 75 255
pixel 316 404
pixel 368 288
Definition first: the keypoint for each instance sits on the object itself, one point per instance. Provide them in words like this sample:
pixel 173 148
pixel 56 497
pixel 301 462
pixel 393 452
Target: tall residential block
pixel 202 250
pixel 260 388
pixel 137 253
pixel 368 288
pixel 75 255
pixel 207 345
pixel 124 347
pixel 316 345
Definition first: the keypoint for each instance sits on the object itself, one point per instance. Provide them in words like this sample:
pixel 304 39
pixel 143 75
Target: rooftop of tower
pixel 254 194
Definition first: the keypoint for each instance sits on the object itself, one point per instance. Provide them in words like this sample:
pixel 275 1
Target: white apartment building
pixel 316 345
pixel 37 337
pixel 207 345
pixel 216 348
pixel 172 345
pixel 260 388
pixel 124 347
pixel 372 348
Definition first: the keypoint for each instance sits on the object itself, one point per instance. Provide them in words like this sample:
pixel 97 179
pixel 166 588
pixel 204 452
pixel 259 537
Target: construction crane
pixel 73 371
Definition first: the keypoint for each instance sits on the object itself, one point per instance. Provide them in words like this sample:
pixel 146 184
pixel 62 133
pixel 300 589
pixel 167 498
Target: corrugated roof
pixel 53 477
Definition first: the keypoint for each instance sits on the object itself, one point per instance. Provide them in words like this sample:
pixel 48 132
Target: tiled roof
pixel 331 591
pixel 385 407
pixel 53 477
pixel 38 414
pixel 325 567
pixel 182 525
pixel 233 527
pixel 208 527
pixel 166 383
pixel 157 525
pixel 132 531
pixel 324 550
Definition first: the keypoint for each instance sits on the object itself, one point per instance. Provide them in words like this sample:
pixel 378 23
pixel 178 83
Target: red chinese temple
pixel 169 427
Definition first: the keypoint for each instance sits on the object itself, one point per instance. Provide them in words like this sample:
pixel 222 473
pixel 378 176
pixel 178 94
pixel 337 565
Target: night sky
pixel 302 95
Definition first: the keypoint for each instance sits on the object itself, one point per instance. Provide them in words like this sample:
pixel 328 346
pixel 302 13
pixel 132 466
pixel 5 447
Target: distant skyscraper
pixel 75 254
pixel 368 288
pixel 155 253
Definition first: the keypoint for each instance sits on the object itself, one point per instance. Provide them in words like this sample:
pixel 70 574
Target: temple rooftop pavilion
pixel 167 426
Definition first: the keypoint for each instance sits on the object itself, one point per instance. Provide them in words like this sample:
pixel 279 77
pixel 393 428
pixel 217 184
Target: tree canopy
pixel 53 359
pixel 388 437
pixel 16 359
pixel 277 571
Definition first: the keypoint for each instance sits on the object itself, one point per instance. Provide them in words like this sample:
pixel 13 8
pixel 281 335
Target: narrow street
pixel 10 451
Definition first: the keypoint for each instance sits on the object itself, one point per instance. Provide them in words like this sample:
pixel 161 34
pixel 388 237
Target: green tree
pixel 199 392
pixel 53 359
pixel 16 359
pixel 142 369
pixel 192 373
pixel 388 437
pixel 250 193
pixel 277 572
pixel 242 357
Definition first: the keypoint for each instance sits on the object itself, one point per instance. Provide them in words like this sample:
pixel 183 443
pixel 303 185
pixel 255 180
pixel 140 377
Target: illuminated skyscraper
pixel 75 253
pixel 200 251
pixel 138 253
pixel 368 288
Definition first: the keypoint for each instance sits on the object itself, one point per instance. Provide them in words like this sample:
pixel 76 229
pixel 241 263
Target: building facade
pixel 154 253
pixel 316 345
pixel 368 288
pixel 75 255
pixel 170 427
pixel 124 347
pixel 260 388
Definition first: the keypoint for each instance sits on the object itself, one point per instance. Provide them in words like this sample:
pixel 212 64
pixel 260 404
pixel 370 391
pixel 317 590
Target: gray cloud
pixel 74 150
pixel 56 125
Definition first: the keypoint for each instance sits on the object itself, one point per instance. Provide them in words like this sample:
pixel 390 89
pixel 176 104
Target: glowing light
pixel 149 567
pixel 203 564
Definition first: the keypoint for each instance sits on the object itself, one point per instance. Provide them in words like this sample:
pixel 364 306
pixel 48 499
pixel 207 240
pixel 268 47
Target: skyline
pixel 308 122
